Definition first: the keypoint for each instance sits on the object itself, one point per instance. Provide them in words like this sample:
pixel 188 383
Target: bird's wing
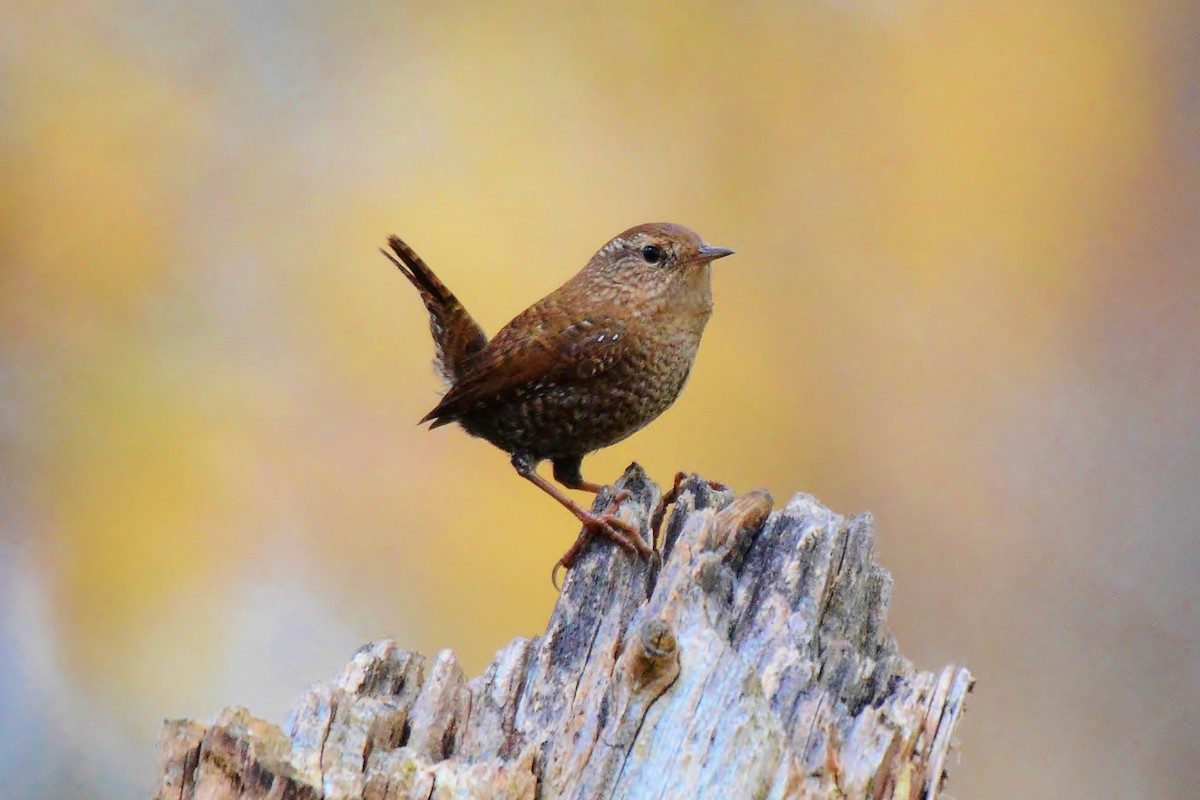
pixel 542 344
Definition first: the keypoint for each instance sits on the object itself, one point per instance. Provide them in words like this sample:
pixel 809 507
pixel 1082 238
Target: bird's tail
pixel 456 336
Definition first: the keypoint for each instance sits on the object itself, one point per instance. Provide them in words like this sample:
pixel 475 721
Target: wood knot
pixel 657 639
pixel 655 655
pixel 647 668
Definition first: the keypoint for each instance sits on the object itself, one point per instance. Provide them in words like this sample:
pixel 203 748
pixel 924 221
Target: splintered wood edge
pixel 958 684
pixel 394 725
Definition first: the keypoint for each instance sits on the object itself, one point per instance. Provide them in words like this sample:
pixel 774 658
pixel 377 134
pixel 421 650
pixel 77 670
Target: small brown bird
pixel 584 367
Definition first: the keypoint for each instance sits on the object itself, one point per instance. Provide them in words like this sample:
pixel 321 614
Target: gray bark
pixel 752 664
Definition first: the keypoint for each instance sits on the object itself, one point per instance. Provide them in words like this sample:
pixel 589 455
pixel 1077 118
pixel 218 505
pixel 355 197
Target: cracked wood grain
pixel 754 662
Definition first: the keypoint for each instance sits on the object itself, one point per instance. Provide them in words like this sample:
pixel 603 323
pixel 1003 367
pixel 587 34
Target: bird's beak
pixel 707 253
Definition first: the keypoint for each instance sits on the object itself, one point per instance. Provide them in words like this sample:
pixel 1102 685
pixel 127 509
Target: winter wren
pixel 584 367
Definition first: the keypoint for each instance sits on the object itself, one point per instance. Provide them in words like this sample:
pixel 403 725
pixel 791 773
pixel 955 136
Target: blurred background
pixel 965 298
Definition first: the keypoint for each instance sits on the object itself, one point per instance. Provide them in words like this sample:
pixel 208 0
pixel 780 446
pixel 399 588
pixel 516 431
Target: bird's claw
pixel 607 523
pixel 623 533
pixel 660 513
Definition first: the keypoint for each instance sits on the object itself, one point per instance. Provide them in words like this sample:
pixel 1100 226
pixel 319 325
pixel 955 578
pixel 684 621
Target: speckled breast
pixel 548 419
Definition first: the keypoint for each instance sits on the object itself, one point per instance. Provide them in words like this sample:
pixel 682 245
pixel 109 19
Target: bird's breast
pixel 603 400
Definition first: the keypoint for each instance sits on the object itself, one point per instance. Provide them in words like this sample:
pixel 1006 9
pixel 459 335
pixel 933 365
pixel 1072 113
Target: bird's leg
pixel 567 471
pixel 605 523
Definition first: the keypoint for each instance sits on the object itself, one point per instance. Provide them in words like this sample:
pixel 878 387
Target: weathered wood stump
pixel 752 664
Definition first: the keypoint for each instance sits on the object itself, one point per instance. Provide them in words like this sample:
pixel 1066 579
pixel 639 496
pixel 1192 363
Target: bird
pixel 585 367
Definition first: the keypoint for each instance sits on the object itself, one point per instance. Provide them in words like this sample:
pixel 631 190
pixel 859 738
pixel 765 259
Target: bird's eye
pixel 652 254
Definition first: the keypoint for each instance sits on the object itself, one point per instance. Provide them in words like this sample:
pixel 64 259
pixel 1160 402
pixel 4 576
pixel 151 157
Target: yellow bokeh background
pixel 965 297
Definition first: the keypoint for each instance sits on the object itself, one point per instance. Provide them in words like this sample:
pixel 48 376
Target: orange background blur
pixel 965 298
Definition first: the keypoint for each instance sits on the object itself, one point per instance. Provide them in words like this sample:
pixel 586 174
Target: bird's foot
pixel 656 520
pixel 607 524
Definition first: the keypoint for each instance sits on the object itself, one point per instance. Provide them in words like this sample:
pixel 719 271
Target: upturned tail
pixel 456 336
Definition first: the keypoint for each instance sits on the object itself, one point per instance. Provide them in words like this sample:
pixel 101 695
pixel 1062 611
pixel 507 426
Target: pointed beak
pixel 707 253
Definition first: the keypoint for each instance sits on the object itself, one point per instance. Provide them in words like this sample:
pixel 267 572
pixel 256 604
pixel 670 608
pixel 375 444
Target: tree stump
pixel 752 663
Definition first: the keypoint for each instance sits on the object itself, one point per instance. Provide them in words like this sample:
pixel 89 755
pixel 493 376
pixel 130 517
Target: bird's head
pixel 659 259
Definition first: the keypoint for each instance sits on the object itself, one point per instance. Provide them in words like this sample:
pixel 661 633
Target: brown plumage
pixel 584 367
